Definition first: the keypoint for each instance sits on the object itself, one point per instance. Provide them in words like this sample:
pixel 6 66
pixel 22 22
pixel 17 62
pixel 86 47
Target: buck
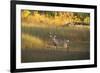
pixel 56 42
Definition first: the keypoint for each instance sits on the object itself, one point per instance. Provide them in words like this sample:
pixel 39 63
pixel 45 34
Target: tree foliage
pixel 50 18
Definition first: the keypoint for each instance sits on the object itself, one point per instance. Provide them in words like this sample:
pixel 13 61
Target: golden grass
pixel 30 42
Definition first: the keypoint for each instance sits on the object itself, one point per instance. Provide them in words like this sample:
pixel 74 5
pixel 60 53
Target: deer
pixel 56 42
pixel 66 44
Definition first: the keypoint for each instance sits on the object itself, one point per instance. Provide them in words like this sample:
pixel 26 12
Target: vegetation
pixel 37 37
pixel 37 45
pixel 52 18
pixel 29 41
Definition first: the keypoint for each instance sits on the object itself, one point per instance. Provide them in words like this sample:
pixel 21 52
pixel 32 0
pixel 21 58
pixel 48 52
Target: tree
pixel 82 16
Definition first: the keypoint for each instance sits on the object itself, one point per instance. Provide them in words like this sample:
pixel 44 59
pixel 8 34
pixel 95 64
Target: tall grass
pixel 71 33
pixel 35 37
pixel 29 41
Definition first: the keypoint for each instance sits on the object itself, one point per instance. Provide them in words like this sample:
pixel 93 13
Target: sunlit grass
pixel 71 33
pixel 36 38
pixel 30 42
